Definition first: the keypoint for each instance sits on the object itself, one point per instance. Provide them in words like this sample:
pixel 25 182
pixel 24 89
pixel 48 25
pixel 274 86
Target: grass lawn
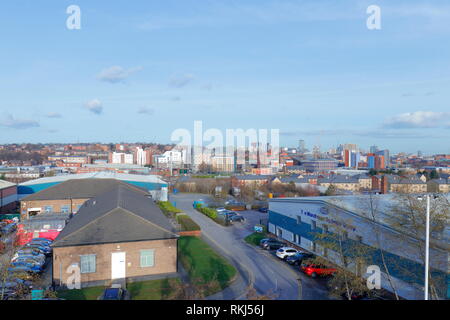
pixel 91 293
pixel 205 267
pixel 255 238
pixel 163 289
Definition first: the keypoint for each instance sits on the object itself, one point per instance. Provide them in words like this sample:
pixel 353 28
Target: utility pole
pixel 427 246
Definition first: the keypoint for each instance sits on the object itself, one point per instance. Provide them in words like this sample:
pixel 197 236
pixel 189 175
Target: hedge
pixel 187 224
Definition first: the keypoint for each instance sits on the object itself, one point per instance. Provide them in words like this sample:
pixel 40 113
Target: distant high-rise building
pixel 301 146
pixel 385 154
pixel 374 149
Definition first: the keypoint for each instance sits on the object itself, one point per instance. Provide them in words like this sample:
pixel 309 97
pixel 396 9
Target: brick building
pixel 68 196
pixel 118 235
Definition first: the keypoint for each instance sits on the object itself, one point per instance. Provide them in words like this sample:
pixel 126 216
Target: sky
pixel 138 70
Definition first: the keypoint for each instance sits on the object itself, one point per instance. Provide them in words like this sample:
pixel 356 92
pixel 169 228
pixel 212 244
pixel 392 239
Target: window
pixel 48 209
pixel 313 225
pixel 87 263
pixel 325 228
pixel 296 238
pixel 147 258
pixel 359 239
pixel 299 219
pixel 65 209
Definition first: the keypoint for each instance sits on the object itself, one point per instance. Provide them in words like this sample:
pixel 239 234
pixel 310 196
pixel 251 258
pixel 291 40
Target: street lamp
pixel 427 246
pixel 427 243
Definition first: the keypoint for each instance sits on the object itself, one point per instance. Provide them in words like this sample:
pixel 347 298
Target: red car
pixel 315 270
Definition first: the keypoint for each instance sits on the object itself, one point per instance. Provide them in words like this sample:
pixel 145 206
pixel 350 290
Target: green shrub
pixel 187 224
pixel 167 208
pixel 212 213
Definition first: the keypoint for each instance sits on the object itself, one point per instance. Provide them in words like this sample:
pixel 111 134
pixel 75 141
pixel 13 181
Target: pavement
pixel 257 268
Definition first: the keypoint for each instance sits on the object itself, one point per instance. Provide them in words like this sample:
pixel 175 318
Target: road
pixel 268 275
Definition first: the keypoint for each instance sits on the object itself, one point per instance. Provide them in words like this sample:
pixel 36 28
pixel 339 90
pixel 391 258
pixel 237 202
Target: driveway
pixel 267 274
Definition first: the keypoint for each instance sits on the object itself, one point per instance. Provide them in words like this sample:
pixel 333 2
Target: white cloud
pixel 418 119
pixel 95 106
pixel 14 123
pixel 116 74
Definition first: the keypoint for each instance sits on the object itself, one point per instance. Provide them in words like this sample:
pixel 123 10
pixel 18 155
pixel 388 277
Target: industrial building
pixel 8 197
pixel 301 220
pixel 152 183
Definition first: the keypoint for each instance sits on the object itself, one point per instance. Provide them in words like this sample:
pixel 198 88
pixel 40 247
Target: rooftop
pixel 79 189
pixel 118 215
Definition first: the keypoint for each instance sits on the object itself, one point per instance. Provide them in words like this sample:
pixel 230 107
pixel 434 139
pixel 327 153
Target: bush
pixel 167 208
pixel 212 213
pixel 187 224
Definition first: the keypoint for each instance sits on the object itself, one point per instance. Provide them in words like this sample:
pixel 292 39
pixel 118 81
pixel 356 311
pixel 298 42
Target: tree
pixel 409 217
pixel 331 190
pixel 434 174
pixel 350 256
pixel 372 213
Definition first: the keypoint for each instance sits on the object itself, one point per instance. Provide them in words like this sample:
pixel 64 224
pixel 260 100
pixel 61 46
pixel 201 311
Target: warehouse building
pixel 8 197
pixel 157 187
pixel 301 220
pixel 120 235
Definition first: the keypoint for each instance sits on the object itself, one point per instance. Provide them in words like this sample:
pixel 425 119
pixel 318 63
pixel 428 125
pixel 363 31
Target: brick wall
pixel 57 204
pixel 165 260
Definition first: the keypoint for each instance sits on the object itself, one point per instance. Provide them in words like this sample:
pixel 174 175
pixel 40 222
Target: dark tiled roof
pixel 79 189
pixel 119 215
pixel 253 177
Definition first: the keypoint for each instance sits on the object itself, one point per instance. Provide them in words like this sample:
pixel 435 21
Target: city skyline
pixel 312 70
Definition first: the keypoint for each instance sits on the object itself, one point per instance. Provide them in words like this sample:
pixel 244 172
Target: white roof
pixel 97 175
pixel 6 184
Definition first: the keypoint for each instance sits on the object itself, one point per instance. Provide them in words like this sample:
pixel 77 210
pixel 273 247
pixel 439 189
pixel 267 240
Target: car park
pixel 315 270
pixel 285 252
pixel 297 258
pixel 272 244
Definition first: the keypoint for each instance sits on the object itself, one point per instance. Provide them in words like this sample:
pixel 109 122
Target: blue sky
pixel 138 70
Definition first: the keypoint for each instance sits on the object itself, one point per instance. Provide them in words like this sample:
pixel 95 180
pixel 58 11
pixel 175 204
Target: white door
pixel 118 265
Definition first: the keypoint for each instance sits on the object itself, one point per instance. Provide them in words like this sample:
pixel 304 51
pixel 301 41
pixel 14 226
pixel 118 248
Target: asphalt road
pixel 268 275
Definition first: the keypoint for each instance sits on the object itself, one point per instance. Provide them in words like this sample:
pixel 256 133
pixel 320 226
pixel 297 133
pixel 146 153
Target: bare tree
pixel 372 212
pixel 409 217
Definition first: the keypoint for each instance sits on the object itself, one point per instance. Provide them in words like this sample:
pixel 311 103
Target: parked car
pixel 14 287
pixel 236 218
pixel 43 248
pixel 23 272
pixel 30 265
pixel 285 252
pixel 263 210
pixel 29 251
pixel 29 255
pixel 297 258
pixel 42 241
pixel 315 270
pixel 29 260
pixel 113 294
pixel 272 244
pixel 221 209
